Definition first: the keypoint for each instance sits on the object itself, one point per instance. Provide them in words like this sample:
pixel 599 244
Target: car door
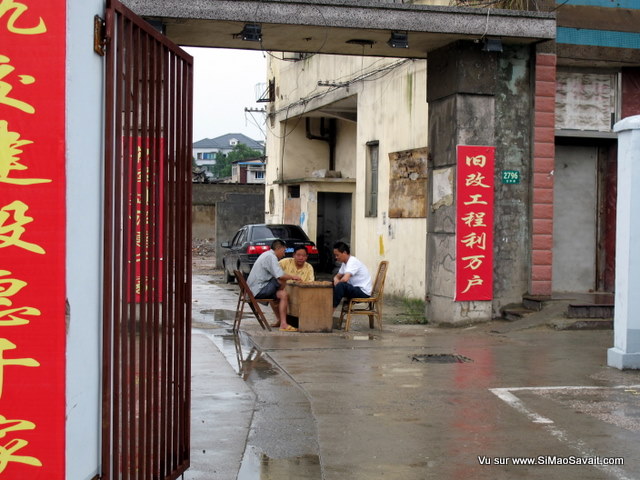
pixel 234 250
pixel 243 244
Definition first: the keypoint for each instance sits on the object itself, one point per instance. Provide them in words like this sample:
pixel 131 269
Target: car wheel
pixel 228 278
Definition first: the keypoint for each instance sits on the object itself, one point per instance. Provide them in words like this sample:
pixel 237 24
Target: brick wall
pixel 543 165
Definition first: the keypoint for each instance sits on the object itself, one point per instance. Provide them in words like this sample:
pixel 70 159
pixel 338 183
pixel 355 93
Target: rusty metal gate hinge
pixel 99 35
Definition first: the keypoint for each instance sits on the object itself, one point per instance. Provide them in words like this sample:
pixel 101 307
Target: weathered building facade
pixel 548 110
pixel 329 166
pixel 597 84
pixel 391 128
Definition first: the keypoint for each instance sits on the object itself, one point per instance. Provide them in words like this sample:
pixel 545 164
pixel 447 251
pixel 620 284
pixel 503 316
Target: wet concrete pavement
pixel 368 404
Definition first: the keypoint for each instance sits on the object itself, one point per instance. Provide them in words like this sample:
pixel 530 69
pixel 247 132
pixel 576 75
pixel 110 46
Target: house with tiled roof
pixel 205 150
pixel 251 170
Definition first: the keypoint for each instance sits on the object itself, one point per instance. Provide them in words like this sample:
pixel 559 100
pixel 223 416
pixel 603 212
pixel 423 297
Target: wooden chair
pixel 372 305
pixel 245 297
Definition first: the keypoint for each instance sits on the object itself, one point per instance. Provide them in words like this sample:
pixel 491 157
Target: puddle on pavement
pixel 250 363
pixel 208 319
pixel 204 326
pixel 371 336
pixel 220 315
pixel 245 358
pixel 258 466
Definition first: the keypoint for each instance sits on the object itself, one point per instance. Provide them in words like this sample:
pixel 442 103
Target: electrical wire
pixel 254 121
pixel 377 74
pixel 561 5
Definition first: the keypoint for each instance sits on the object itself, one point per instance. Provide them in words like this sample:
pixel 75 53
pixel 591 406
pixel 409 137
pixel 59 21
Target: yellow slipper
pixel 289 329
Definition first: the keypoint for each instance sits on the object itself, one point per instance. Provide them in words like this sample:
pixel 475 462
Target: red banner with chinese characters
pixel 148 209
pixel 32 239
pixel 474 223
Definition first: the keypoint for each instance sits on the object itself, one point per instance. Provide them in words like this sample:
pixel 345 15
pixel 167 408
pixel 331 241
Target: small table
pixel 312 303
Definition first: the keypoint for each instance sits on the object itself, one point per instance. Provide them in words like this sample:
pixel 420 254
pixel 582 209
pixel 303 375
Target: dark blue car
pixel 252 240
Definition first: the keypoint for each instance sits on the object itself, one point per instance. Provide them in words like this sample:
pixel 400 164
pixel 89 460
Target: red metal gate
pixel 147 252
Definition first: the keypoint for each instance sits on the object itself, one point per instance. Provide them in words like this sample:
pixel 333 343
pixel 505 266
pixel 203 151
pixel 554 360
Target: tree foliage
pixel 222 168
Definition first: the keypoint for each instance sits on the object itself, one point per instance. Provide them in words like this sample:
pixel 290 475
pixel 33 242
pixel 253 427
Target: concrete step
pixel 590 311
pixel 586 305
pixel 512 313
pixel 536 302
pixel 560 313
pixel 581 323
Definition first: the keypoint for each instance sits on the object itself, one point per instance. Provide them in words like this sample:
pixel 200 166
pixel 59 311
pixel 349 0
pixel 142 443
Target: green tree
pixel 222 168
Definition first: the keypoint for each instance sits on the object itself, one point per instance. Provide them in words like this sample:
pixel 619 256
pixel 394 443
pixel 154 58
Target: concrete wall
pixel 471 99
pixel 301 156
pixel 512 232
pixel 308 215
pixel 392 111
pixel 221 209
pixel 85 128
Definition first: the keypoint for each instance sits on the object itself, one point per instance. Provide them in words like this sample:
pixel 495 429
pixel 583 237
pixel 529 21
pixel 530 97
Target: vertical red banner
pixel 32 239
pixel 148 210
pixel 474 223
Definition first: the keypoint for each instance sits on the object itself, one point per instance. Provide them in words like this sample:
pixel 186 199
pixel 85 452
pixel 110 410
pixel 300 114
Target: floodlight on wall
pixel 251 32
pixel 399 40
pixel 492 45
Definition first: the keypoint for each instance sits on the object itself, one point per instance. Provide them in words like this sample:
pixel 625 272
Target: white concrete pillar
pixel 626 349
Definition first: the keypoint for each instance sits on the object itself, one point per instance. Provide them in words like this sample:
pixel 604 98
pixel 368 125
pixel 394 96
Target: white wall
pixel 392 111
pixel 84 238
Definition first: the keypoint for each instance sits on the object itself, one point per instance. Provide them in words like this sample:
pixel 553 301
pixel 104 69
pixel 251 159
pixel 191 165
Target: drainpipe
pixel 283 189
pixel 327 134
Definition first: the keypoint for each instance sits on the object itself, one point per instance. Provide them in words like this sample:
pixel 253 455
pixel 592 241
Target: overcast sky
pixel 224 85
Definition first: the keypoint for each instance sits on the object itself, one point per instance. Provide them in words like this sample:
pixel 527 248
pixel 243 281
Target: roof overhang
pixel 339 26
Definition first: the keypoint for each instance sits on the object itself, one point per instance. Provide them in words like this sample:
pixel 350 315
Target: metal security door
pixel 575 207
pixel 147 252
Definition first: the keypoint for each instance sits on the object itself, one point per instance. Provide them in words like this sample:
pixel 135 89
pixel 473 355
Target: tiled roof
pixel 224 142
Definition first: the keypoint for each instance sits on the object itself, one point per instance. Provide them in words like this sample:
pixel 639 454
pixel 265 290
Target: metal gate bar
pixel 147 253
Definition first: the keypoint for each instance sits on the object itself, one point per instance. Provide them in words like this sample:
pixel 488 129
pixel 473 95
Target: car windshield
pixel 278 231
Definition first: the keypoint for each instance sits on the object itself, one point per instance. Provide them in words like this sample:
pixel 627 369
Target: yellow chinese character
pixel 475 261
pixel 10 144
pixel 5 88
pixel 10 233
pixel 477 161
pixel 475 180
pixel 14 425
pixel 7 454
pixel 475 240
pixel 9 287
pixel 473 281
pixel 474 219
pixel 23 362
pixel 10 318
pixel 475 199
pixel 18 10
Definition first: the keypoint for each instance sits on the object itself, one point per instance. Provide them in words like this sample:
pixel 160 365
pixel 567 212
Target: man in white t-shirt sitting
pixel 353 279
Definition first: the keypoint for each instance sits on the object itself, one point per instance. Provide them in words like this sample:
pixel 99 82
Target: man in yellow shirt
pixel 297 265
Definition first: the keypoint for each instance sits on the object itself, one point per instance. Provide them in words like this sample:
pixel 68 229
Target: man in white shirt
pixel 267 280
pixel 353 279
